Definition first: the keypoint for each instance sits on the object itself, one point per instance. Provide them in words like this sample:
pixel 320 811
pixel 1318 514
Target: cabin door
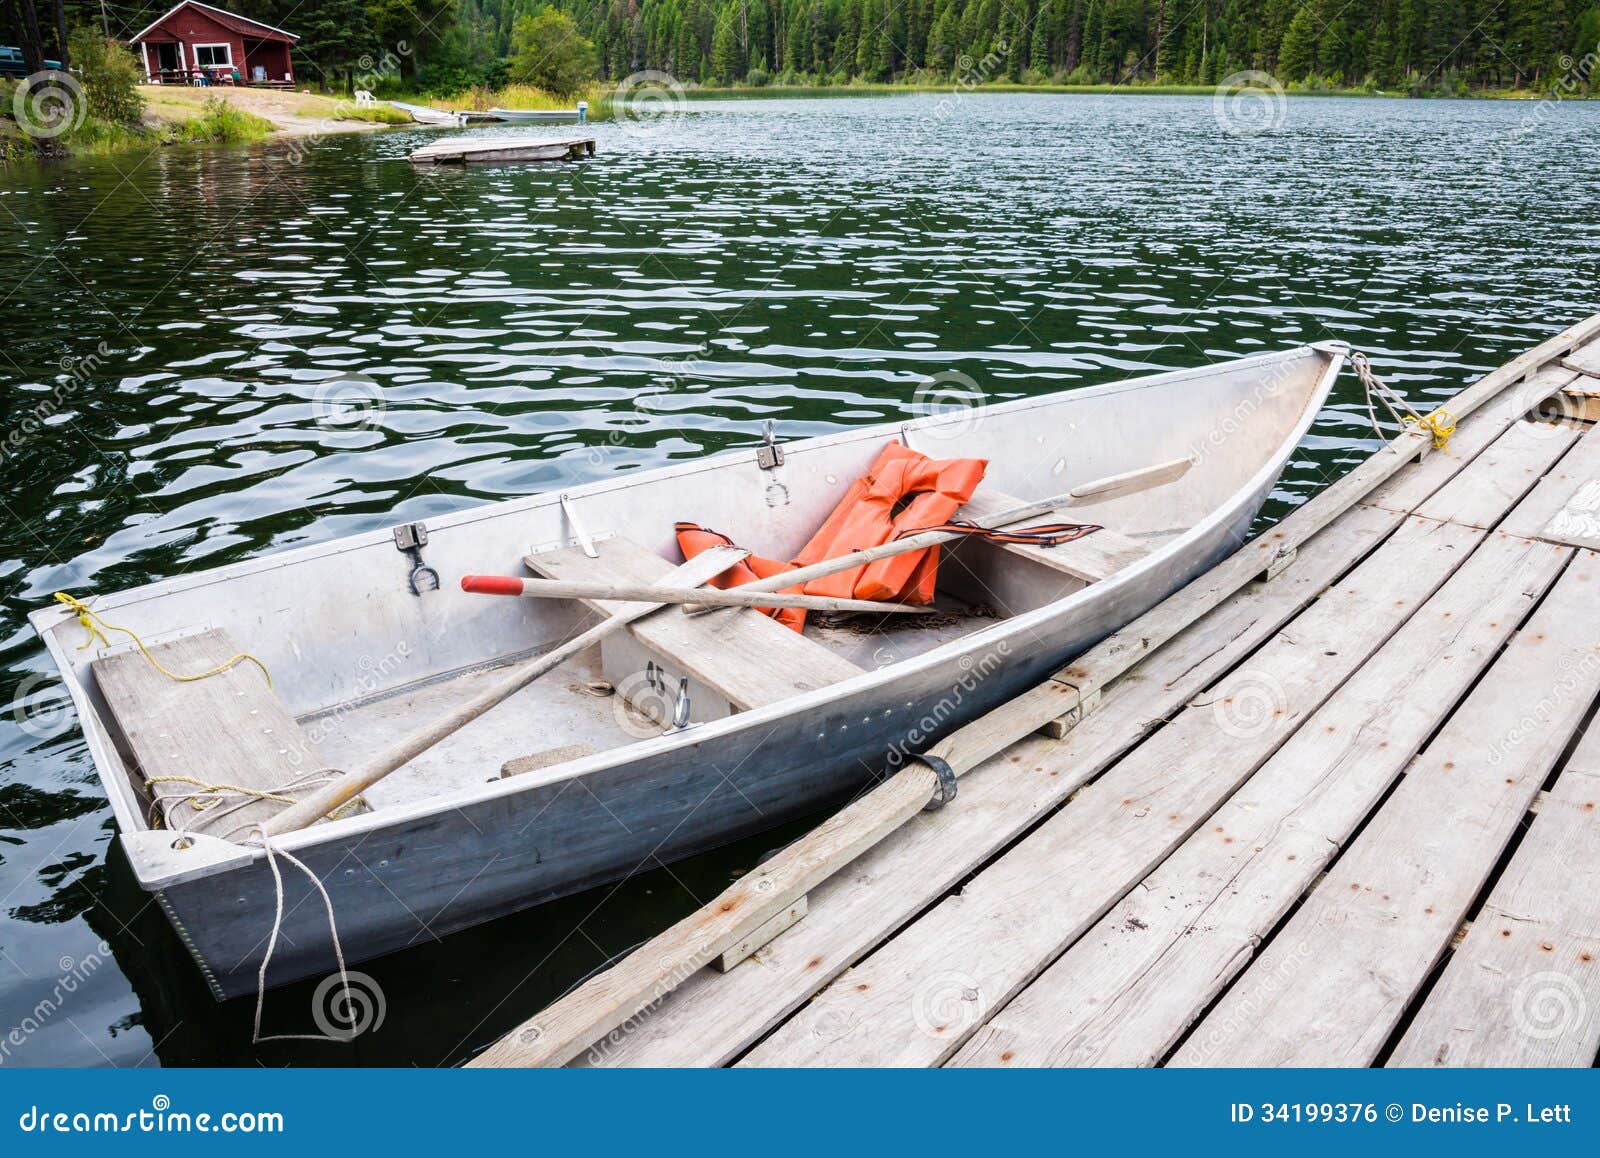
pixel 166 57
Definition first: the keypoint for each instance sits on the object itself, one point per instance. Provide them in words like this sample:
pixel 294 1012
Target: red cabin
pixel 194 43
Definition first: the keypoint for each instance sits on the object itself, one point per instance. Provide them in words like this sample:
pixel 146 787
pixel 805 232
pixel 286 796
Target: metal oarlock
pixel 409 539
pixel 769 455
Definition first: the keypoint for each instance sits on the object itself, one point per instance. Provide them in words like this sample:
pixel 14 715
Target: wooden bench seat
pixel 743 655
pixel 1091 558
pixel 226 729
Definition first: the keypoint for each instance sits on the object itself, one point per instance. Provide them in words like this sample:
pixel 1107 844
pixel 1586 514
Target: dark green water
pixel 189 325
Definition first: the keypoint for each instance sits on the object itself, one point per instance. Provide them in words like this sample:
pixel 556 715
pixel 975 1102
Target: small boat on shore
pixel 579 114
pixel 512 769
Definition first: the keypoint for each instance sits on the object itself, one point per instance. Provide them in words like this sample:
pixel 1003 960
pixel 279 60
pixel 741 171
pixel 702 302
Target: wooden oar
pixel 703 567
pixel 702 597
pixel 1097 490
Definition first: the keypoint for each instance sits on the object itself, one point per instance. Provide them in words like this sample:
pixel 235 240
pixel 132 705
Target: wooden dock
pixel 484 150
pixel 1347 815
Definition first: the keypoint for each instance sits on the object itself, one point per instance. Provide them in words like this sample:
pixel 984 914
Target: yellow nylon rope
pixel 1441 423
pixel 97 628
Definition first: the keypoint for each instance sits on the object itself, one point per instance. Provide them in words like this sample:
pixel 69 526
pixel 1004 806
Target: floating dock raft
pixel 1335 803
pixel 473 150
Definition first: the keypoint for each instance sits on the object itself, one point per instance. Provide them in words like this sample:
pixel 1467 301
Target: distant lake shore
pixel 866 90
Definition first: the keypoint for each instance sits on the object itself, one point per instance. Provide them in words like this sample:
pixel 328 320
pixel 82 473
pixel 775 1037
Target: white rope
pixel 216 802
pixel 272 942
pixel 1376 387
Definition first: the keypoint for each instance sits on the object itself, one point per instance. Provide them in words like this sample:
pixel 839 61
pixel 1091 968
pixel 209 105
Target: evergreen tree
pixel 1297 56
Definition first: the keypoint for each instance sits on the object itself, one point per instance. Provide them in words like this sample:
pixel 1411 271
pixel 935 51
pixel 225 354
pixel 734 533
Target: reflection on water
pixel 214 354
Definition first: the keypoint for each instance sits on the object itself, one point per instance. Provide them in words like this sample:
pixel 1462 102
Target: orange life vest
pixel 902 491
pixel 693 538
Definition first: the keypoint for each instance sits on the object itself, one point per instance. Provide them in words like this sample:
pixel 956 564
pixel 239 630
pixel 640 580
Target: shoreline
pixel 750 92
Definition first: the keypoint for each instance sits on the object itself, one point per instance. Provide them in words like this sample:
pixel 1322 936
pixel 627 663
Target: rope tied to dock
pixel 1440 424
pixel 97 628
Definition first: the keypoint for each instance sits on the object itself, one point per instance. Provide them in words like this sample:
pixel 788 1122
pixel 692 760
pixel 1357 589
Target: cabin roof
pixel 229 20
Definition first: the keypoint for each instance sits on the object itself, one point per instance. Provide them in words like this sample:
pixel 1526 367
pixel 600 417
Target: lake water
pixel 248 348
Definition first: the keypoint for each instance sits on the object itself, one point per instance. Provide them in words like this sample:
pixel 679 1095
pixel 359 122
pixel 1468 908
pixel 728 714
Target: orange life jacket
pixel 902 491
pixel 693 538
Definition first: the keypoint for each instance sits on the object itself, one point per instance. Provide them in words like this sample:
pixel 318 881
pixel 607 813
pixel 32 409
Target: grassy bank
pixel 515 96
pixel 174 115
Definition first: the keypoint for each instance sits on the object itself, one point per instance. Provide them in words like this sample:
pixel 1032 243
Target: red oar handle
pixel 492 584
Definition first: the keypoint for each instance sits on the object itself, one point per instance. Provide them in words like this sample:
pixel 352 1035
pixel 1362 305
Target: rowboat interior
pixel 370 638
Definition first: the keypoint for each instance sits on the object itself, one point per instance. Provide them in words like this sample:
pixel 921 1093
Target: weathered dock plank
pixel 917 999
pixel 1585 360
pixel 1579 465
pixel 1508 469
pixel 1334 982
pixel 1523 987
pixel 1126 992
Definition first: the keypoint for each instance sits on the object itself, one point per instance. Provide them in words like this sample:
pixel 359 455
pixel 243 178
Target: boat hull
pixel 418 878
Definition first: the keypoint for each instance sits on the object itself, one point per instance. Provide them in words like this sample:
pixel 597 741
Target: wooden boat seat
pixel 1091 558
pixel 229 728
pixel 741 654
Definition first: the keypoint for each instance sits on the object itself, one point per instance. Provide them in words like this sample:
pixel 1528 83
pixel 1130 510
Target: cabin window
pixel 213 55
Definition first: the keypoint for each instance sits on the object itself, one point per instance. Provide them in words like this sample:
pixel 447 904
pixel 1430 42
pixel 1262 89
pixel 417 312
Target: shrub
pixel 548 52
pixel 221 121
pixel 111 78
